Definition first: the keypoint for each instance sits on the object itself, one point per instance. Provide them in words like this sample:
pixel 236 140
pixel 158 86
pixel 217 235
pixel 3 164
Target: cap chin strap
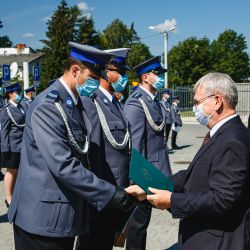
pixel 150 119
pixel 107 132
pixel 71 137
pixel 13 120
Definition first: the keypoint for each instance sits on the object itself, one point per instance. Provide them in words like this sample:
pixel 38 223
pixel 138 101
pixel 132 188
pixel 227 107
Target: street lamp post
pixel 165 36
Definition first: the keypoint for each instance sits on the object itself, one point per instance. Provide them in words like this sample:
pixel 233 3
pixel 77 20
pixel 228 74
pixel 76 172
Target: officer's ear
pixel 76 68
pixel 10 95
pixel 144 77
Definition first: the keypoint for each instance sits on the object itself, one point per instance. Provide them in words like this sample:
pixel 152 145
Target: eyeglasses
pixel 197 102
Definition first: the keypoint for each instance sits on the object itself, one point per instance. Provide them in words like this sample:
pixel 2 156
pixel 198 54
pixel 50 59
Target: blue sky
pixel 25 21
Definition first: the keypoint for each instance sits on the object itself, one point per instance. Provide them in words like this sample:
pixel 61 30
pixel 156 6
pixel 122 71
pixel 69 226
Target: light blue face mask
pixel 1 92
pixel 18 98
pixel 159 84
pixel 200 116
pixel 88 88
pixel 121 84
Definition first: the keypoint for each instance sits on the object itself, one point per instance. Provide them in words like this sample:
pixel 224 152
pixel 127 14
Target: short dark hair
pixel 95 68
pixel 71 61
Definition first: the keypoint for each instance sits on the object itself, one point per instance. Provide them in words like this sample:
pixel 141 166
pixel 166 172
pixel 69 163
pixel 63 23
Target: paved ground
pixel 163 230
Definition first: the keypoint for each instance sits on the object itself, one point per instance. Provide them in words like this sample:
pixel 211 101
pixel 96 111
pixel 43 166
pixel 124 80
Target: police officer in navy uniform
pixel 1 107
pixel 147 122
pixel 177 122
pixel 109 146
pixel 28 98
pixel 167 109
pixel 55 182
pixel 12 126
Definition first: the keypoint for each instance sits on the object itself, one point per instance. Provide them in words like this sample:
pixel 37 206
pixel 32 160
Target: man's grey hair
pixel 219 84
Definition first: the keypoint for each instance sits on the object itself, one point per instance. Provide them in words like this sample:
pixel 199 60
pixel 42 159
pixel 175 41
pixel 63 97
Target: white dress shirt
pixel 106 93
pixel 220 123
pixel 148 92
pixel 75 100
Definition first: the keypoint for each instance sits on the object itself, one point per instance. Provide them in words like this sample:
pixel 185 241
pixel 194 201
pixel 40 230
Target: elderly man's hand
pixel 159 198
pixel 136 191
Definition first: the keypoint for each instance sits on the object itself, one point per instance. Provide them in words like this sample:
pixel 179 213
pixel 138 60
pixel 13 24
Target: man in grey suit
pixel 28 98
pixel 55 183
pixel 147 122
pixel 110 148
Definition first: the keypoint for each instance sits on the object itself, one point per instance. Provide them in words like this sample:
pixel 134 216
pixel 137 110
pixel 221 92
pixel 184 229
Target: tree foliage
pixel 87 33
pixel 61 30
pixel 4 40
pixel 229 55
pixel 193 58
pixel 118 35
pixel 188 61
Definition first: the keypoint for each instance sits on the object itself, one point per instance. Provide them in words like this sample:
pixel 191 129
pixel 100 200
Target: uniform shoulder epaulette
pixel 53 96
pixel 137 95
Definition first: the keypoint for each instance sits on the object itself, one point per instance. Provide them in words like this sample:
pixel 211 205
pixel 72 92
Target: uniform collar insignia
pixel 105 101
pixel 69 103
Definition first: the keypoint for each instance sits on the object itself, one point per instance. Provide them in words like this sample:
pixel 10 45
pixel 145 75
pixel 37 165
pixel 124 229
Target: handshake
pixel 126 199
pixel 159 198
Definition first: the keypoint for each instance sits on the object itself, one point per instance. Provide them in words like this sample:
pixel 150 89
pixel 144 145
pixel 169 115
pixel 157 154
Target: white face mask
pixel 200 116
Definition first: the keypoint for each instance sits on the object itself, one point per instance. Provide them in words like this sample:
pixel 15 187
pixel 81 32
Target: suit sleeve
pixel 5 129
pixel 179 181
pixel 227 181
pixel 136 118
pixel 51 138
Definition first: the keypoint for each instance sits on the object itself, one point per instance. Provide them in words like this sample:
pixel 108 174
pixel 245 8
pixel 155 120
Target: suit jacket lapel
pixel 210 143
pixel 201 151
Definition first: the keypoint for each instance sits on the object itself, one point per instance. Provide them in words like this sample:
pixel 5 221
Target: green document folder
pixel 145 174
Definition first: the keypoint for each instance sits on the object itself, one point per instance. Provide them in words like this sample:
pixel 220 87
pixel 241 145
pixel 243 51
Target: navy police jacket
pixel 12 130
pixel 108 162
pixel 166 107
pixel 176 115
pixel 149 143
pixel 54 183
pixel 26 102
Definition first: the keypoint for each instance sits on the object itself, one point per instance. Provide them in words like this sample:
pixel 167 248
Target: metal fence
pixel 186 100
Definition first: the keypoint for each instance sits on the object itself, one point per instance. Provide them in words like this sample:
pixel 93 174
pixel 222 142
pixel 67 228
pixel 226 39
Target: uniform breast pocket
pixel 118 130
pixel 53 212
